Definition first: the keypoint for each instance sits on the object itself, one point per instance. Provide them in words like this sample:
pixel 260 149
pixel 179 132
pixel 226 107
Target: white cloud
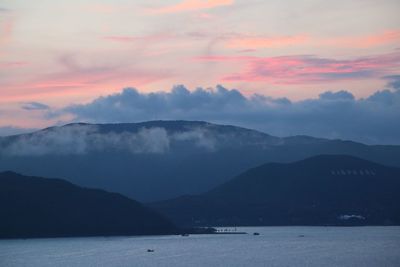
pixel 78 139
pixel 82 139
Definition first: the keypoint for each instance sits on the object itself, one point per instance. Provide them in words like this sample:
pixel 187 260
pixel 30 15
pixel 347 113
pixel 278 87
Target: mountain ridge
pixel 34 207
pixel 321 190
pixel 158 160
pixel 162 123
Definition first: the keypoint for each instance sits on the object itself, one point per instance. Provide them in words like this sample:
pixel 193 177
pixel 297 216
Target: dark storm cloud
pixel 333 114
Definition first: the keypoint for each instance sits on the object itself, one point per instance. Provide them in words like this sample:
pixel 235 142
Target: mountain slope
pixel 322 190
pixel 40 207
pixel 159 160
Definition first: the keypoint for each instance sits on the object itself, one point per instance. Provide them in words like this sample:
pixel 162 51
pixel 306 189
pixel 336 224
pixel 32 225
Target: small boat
pixel 150 250
pixel 301 235
pixel 255 233
pixel 185 234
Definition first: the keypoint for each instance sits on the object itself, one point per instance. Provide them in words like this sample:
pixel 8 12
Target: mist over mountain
pixel 40 207
pixel 158 160
pixel 322 190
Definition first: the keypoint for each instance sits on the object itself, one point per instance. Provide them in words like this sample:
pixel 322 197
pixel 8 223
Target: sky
pixel 323 68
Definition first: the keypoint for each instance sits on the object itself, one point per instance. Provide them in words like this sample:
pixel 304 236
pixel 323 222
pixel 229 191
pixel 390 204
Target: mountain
pixel 158 160
pixel 40 207
pixel 321 190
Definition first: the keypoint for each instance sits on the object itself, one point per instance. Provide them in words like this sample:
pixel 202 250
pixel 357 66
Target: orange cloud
pixel 191 5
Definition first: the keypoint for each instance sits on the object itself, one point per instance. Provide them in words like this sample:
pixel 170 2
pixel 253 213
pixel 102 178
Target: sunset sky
pixel 60 56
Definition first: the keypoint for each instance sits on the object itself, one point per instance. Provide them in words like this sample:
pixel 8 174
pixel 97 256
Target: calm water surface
pixel 275 246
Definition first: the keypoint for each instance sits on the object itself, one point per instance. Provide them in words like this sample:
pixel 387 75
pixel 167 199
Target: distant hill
pixel 322 190
pixel 158 160
pixel 40 207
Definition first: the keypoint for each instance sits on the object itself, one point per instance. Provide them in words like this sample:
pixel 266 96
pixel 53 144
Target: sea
pixel 274 246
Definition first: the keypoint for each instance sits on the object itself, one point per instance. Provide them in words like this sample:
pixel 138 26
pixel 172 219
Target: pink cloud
pixel 192 5
pixel 12 64
pixel 239 41
pixel 77 81
pixel 247 50
pixel 307 69
pixel 6 27
pixel 103 8
pixel 249 42
pixel 131 39
pixel 371 40
pixel 205 16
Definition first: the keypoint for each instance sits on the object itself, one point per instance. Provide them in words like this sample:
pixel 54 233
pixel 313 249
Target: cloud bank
pixel 80 139
pixel 372 120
